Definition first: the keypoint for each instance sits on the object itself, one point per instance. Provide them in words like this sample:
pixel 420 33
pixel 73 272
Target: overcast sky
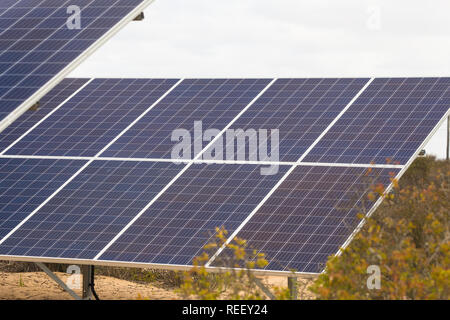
pixel 282 38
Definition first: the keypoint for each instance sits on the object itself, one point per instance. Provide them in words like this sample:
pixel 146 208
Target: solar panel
pixel 88 212
pixel 41 43
pixel 391 119
pixel 49 102
pixel 214 102
pixel 92 118
pixel 175 228
pixel 26 183
pixel 300 109
pixel 310 215
pixel 130 204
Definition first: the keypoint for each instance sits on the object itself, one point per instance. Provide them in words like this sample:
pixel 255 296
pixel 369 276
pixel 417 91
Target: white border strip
pixel 174 267
pixel 87 164
pixel 70 67
pixel 14 156
pixel 353 165
pixel 201 161
pixel 233 235
pixel 48 115
pixel 389 188
pixel 183 170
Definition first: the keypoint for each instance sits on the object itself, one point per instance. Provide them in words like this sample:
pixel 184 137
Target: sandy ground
pixel 38 286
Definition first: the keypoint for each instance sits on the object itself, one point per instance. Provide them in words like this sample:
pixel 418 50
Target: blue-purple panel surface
pixel 176 227
pixel 214 102
pixel 91 119
pixel 27 183
pixel 301 109
pixel 91 210
pixel 388 122
pixel 310 216
pixel 50 101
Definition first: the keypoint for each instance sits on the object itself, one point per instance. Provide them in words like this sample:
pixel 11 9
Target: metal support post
pixel 448 138
pixel 293 288
pixel 88 282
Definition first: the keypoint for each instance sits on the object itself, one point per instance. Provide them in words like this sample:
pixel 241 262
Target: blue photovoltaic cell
pixel 301 109
pixel 91 210
pixel 390 120
pixel 26 183
pixel 215 102
pixel 54 98
pixel 310 216
pixel 92 118
pixel 36 44
pixel 176 226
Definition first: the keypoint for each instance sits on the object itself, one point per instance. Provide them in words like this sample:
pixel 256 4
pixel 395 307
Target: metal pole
pixel 293 288
pixel 87 276
pixel 448 138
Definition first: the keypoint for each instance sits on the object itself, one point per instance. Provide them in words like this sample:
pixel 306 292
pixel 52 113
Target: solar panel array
pixel 88 177
pixel 39 46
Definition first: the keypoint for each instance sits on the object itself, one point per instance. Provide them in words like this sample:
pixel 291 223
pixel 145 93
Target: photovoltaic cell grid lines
pixel 36 44
pixel 391 119
pixel 301 109
pixel 309 217
pixel 91 210
pixel 53 99
pixel 92 118
pixel 182 221
pixel 26 183
pixel 214 102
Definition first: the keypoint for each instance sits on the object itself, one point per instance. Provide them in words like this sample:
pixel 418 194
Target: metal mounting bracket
pixel 264 289
pixel 58 280
pixel 139 17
